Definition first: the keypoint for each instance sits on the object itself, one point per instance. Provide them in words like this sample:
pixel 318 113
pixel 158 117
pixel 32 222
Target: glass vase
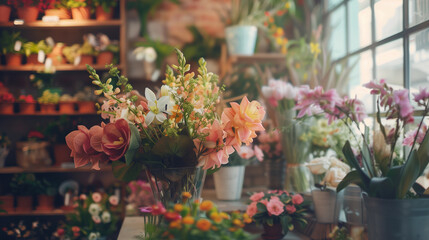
pixel 275 171
pixel 168 184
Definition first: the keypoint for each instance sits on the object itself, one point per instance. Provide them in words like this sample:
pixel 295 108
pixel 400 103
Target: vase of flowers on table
pixel 388 179
pixel 278 211
pixel 173 137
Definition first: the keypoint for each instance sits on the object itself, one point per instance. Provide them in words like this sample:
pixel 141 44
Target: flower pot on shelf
pixel 48 108
pixel 62 13
pixel 24 204
pixel 45 203
pixel 28 14
pixel 81 13
pixel 229 182
pixel 86 106
pixel 6 107
pixel 62 154
pixel 57 55
pixel 27 108
pixel 273 232
pixel 104 58
pixel 4 13
pixel 241 40
pixel 33 60
pixel 6 203
pixel 31 154
pixel 66 107
pixel 13 59
pixel 101 15
pixel 397 218
pixel 86 59
pixel 327 205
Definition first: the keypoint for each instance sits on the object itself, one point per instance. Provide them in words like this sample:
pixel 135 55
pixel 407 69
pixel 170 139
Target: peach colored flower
pixel 257 196
pixel 290 209
pixel 96 197
pixel 114 139
pixel 113 200
pixel 259 154
pixel 297 199
pixel 275 207
pixel 96 219
pixel 246 152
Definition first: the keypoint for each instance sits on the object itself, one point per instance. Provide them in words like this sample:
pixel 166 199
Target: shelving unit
pixel 55 212
pixel 13 170
pixel 65 67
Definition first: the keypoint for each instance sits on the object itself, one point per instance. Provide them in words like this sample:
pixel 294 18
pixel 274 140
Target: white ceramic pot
pixel 241 39
pixel 229 182
pixel 327 205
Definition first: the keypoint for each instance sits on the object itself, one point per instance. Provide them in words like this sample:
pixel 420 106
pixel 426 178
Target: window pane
pixel 359 24
pixel 333 3
pixel 361 74
pixel 388 18
pixel 419 11
pixel 337 41
pixel 419 60
pixel 389 63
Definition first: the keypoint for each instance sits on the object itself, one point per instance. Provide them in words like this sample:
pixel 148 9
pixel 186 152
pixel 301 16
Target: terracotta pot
pixel 272 232
pixel 45 203
pixel 13 59
pixel 33 59
pixel 28 14
pixel 48 108
pixel 86 59
pixel 81 13
pixel 104 58
pixel 24 203
pixel 6 108
pixel 66 107
pixel 62 13
pixel 102 15
pixel 27 108
pixel 62 154
pixel 57 55
pixel 86 107
pixel 7 203
pixel 4 13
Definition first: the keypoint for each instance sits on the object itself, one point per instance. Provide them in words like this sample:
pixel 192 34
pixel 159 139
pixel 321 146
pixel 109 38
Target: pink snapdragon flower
pixel 275 207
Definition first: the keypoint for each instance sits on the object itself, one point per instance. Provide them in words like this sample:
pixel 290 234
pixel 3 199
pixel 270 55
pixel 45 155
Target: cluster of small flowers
pixel 276 202
pixel 269 143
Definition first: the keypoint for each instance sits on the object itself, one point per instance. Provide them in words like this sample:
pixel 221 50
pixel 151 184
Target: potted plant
pixel 386 177
pixel 67 104
pixel 104 9
pixel 57 54
pixel 27 104
pixel 28 10
pixel 46 196
pixel 106 50
pixel 229 178
pixel 86 100
pixel 4 148
pixel 71 53
pixel 5 10
pixel 11 44
pixel 24 186
pixel 244 18
pixel 79 9
pixel 58 8
pixel 7 101
pixel 277 211
pixel 48 102
pixel 56 132
pixel 32 151
pixel 36 52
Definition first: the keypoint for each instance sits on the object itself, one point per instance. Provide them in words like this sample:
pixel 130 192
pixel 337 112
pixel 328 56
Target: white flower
pixel 334 176
pixel 319 165
pixel 339 164
pixel 158 108
pixel 139 53
pixel 94 209
pixel 150 54
pixel 106 217
pixel 93 236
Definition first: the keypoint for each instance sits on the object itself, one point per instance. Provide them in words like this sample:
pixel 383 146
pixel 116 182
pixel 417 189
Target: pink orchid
pixel 422 97
pixel 401 99
pixel 275 207
pixel 411 135
pixel 257 196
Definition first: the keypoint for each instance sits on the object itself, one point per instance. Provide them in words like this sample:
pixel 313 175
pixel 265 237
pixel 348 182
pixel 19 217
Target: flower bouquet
pixel 173 137
pixel 278 211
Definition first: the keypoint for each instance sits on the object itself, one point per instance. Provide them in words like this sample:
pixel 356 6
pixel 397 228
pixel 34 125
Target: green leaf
pixel 270 221
pixel 366 156
pixel 261 207
pixel 126 172
pixel 349 155
pixel 351 177
pixel 284 223
pixel 381 187
pixel 135 142
pixel 394 174
pixel 409 174
pixel 176 151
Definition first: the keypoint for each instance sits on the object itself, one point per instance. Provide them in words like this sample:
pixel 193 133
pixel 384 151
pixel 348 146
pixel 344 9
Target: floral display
pixel 26 99
pixel 195 220
pixel 140 194
pixel 277 207
pixel 377 173
pixel 270 144
pixel 95 216
pixel 332 170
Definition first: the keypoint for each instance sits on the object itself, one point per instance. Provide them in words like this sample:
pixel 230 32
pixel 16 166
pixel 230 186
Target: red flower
pixel 158 209
pixel 113 140
pixel 290 209
pixel 172 216
pixel 35 134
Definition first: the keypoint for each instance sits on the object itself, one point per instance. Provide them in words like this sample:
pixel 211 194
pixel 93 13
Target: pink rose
pixel 297 199
pixel 79 142
pixel 113 200
pixel 115 139
pixel 275 207
pixel 251 209
pixel 264 201
pixel 290 209
pixel 96 197
pixel 257 196
pixel 96 219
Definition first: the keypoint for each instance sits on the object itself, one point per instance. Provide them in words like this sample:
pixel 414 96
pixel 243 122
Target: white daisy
pixel 158 108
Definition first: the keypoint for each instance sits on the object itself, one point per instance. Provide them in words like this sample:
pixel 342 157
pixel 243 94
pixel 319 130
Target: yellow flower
pixel 279 31
pixel 279 40
pixel 224 215
pixel 206 205
pixel 315 49
pixel 287 5
pixel 238 223
pixel 297 65
pixel 216 217
pixel 204 224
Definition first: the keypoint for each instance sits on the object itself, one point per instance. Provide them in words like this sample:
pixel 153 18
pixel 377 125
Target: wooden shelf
pixel 258 58
pixel 12 170
pixel 48 114
pixel 65 67
pixel 55 212
pixel 65 23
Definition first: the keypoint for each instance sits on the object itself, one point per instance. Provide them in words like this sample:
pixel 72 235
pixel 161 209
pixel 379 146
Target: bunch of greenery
pixel 34 48
pixel 49 97
pixel 75 3
pixel 24 184
pixel 203 45
pixel 8 40
pixel 105 4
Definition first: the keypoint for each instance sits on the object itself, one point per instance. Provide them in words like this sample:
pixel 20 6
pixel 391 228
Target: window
pixel 381 39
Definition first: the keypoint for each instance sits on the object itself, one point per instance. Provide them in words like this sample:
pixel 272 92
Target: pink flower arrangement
pixel 270 144
pixel 277 206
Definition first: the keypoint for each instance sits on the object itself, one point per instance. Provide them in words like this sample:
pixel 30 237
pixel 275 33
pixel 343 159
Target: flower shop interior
pixel 214 119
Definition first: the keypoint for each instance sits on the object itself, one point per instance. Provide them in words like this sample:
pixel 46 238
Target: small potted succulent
pixel 11 46
pixel 27 104
pixel 79 54
pixel 28 10
pixel 79 9
pixel 48 102
pixel 36 52
pixel 71 53
pixel 87 50
pixel 58 8
pixel 6 103
pixel 5 10
pixel 86 100
pixel 104 9
pixel 56 132
pixel 46 196
pixel 67 104
pixel 106 50
pixel 24 186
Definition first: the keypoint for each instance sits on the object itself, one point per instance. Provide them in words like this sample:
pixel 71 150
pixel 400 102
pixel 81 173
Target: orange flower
pixel 188 220
pixel 238 223
pixel 216 217
pixel 178 207
pixel 232 229
pixel 175 224
pixel 186 196
pixel 206 205
pixel 224 215
pixel 204 225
